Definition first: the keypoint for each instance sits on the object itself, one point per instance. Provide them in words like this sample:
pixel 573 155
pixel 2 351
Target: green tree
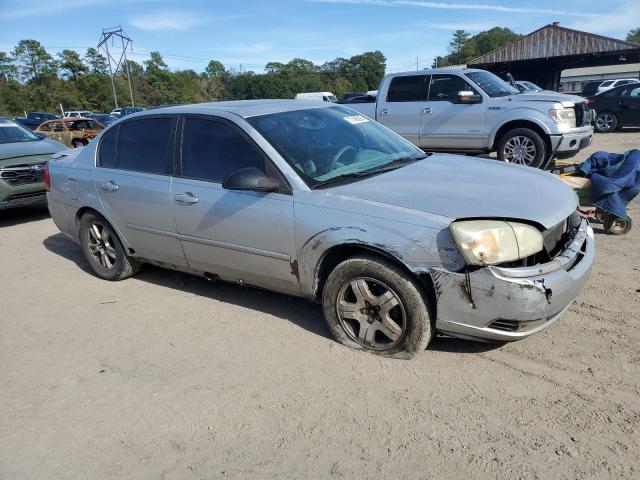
pixel 34 63
pixel 214 68
pixel 97 62
pixel 71 64
pixel 634 36
pixel 7 69
pixel 458 46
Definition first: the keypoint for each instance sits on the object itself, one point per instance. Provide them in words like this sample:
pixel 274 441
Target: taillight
pixel 45 177
pixel 589 101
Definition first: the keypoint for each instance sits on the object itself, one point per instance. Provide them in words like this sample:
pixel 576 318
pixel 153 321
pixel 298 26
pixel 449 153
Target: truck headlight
pixel 487 242
pixel 564 115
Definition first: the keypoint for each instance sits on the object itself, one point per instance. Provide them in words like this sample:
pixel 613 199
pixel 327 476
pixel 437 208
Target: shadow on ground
pixel 298 311
pixel 17 216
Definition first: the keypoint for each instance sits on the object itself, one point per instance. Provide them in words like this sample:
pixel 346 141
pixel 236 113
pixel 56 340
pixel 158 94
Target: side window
pixel 407 89
pixel 632 92
pixel 143 145
pixel 445 88
pixel 212 149
pixel 45 127
pixel 107 149
pixel 57 127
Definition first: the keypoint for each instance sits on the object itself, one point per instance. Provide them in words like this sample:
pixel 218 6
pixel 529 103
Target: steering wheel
pixel 338 156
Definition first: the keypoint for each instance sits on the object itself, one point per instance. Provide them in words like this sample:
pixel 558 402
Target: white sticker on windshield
pixel 355 119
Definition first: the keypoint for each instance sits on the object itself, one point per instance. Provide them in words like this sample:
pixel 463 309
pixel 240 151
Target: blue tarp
pixel 615 180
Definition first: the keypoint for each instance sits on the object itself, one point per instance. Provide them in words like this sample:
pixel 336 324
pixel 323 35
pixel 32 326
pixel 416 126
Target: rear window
pixel 107 149
pixel 407 89
pixel 143 145
pixel 606 84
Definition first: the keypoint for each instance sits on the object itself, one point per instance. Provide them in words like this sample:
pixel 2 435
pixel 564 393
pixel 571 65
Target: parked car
pixel 116 112
pixel 364 98
pixel 78 114
pixel 22 158
pixel 104 118
pixel 34 119
pixel 129 110
pixel 348 96
pixel 473 111
pixel 73 132
pixel 320 96
pixel 616 108
pixel 315 200
pixel 609 84
pixel 589 89
pixel 527 87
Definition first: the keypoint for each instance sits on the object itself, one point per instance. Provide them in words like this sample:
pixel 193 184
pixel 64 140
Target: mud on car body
pixel 312 199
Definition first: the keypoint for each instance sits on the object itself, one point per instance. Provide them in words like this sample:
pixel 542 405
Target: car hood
pixel 548 96
pixel 461 187
pixel 17 150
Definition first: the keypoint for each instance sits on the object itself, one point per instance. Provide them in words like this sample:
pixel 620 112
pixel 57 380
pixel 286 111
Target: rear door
pixel 133 181
pixel 400 110
pixel 447 124
pixel 630 106
pixel 239 235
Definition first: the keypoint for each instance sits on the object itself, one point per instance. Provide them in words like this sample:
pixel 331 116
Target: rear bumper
pixel 506 304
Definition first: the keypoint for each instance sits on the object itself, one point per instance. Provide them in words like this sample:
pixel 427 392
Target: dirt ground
pixel 168 376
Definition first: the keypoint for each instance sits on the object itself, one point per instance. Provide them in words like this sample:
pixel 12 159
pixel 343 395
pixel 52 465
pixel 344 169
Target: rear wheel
pixel 103 249
pixel 371 304
pixel 522 146
pixel 606 122
pixel 616 225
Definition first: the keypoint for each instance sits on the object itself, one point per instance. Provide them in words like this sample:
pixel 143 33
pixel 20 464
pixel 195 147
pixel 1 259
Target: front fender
pixel 523 115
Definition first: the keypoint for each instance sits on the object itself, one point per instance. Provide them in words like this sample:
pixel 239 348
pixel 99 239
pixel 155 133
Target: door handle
pixel 427 111
pixel 109 186
pixel 186 198
pixel 384 111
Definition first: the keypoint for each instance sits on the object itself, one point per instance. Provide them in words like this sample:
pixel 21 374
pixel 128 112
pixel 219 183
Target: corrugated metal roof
pixel 552 41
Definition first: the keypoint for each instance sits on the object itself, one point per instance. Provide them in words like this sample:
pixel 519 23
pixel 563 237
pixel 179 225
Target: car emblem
pixel 37 168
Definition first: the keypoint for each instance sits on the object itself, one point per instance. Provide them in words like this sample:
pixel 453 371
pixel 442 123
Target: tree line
pixel 32 79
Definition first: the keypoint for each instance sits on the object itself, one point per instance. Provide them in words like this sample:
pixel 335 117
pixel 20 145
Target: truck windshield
pixel 11 132
pixel 324 145
pixel 491 84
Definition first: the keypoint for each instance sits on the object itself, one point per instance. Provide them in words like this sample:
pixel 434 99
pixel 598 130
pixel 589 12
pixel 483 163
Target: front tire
pixel 606 122
pixel 371 304
pixel 103 249
pixel 522 146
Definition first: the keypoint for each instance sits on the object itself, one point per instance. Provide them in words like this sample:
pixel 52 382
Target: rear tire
pixel 103 250
pixel 606 122
pixel 522 146
pixel 371 304
pixel 616 225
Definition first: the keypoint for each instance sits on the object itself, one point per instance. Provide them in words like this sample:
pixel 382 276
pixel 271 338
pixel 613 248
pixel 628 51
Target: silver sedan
pixel 314 200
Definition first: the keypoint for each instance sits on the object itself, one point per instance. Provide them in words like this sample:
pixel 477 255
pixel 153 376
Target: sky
pixel 246 34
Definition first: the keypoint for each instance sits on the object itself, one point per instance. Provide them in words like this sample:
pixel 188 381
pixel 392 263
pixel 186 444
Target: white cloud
pixel 622 18
pixel 457 6
pixel 167 20
pixel 258 47
pixel 470 27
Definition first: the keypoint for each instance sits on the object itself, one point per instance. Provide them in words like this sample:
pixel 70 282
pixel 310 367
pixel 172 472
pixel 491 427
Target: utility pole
pixel 117 35
pixel 417 67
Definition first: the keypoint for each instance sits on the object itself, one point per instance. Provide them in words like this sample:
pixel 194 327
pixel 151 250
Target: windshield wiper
pixel 394 164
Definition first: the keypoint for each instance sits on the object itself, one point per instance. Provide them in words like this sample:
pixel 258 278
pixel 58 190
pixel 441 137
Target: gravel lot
pixel 169 376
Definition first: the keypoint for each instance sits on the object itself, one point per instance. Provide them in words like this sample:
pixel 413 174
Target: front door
pixel 630 106
pixel 133 182
pixel 238 235
pixel 400 111
pixel 447 124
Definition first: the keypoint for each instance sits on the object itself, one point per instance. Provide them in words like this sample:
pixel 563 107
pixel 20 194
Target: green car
pixel 22 158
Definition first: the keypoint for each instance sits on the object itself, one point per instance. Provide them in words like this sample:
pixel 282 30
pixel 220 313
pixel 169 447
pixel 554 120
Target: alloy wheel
pixel 371 313
pixel 101 246
pixel 520 150
pixel 605 121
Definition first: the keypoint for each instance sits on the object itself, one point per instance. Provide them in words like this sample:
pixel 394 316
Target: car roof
pixel 431 71
pixel 242 108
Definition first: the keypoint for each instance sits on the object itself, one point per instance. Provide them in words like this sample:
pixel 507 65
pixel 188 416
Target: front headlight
pixel 487 242
pixel 564 115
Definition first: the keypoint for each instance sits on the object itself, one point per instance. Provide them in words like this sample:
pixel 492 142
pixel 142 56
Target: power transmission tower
pixel 120 41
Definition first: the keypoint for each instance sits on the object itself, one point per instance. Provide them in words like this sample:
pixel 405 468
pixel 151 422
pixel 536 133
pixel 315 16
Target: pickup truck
pixel 474 111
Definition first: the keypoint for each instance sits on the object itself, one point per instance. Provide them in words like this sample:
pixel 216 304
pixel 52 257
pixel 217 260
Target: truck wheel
pixel 371 304
pixel 606 122
pixel 522 146
pixel 103 250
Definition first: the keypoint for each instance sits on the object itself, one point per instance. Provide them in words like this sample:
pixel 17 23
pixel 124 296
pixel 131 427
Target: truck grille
pixel 22 174
pixel 584 115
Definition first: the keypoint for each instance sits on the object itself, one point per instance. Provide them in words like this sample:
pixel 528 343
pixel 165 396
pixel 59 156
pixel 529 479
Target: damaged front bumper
pixel 506 304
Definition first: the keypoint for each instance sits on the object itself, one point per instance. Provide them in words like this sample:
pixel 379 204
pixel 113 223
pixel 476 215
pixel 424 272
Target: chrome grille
pixel 583 114
pixel 553 236
pixel 22 174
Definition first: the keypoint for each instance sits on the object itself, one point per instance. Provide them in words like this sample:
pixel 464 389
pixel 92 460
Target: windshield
pixel 325 144
pixel 492 85
pixel 11 132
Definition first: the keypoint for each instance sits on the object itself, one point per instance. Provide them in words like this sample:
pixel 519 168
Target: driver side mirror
pixel 467 96
pixel 250 178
